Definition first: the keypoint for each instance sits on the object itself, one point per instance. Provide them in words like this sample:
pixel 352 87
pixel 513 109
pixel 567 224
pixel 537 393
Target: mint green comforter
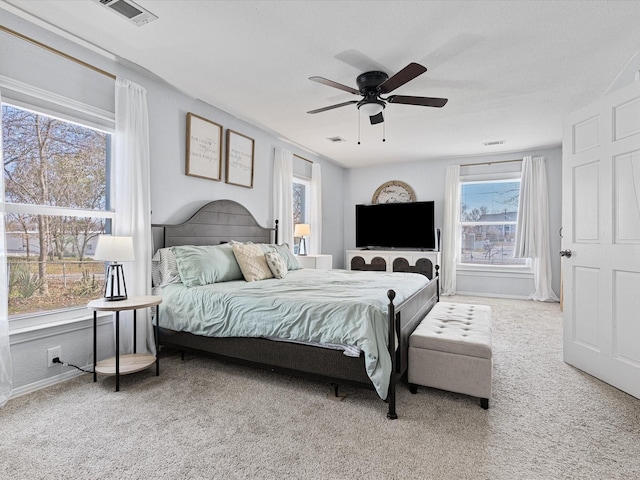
pixel 321 306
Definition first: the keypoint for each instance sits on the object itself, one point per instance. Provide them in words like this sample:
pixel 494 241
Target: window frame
pixel 527 267
pixel 23 96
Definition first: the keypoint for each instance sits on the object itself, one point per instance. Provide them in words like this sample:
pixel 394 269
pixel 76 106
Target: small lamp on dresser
pixel 302 230
pixel 115 250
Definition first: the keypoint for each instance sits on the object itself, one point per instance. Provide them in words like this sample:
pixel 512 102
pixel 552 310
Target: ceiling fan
pixel 371 85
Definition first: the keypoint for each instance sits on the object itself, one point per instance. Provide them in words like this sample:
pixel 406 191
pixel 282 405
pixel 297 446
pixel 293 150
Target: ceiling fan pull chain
pixel 384 131
pixel 358 126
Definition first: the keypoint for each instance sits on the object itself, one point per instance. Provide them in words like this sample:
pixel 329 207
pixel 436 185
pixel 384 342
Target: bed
pixel 333 325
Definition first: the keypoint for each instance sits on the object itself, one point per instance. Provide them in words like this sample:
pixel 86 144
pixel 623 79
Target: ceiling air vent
pixel 336 139
pixel 493 142
pixel 130 10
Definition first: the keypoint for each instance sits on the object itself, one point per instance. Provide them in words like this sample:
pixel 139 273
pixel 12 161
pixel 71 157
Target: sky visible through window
pixel 494 196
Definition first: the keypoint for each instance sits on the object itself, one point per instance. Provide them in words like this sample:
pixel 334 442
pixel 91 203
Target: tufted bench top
pixel 455 328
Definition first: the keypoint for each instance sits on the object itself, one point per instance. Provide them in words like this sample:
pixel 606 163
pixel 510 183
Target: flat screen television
pixel 396 225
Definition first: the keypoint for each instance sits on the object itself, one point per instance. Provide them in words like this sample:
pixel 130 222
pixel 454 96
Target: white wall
pixel 174 196
pixel 427 179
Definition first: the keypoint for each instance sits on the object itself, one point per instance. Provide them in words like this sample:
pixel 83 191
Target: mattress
pixel 334 308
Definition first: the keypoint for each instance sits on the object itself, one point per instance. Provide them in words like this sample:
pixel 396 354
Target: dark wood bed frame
pixel 221 221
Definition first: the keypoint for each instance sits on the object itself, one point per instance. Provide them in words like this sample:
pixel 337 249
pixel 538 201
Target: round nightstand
pixel 126 363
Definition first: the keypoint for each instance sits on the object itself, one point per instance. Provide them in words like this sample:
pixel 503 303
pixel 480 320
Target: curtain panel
pixel 283 195
pixel 451 230
pixel 316 209
pixel 6 376
pixel 132 203
pixel 532 232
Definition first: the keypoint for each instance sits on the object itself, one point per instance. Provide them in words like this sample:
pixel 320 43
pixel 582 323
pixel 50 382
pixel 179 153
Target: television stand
pixel 417 261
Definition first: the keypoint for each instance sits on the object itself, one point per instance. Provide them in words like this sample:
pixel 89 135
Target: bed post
pixel 438 282
pixel 276 234
pixel 391 395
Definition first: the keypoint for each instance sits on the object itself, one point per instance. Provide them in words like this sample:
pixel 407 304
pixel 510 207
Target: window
pixel 300 201
pixel 488 220
pixel 301 204
pixel 56 204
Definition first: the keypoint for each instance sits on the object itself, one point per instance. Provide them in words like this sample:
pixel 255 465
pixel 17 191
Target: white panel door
pixel 601 229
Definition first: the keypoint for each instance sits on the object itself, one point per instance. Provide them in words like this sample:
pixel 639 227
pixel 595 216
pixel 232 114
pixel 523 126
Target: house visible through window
pixel 56 204
pixel 488 219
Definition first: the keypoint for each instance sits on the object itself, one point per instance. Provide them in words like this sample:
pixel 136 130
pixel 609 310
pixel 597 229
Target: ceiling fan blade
pixel 405 75
pixel 333 84
pixel 375 119
pixel 331 107
pixel 421 101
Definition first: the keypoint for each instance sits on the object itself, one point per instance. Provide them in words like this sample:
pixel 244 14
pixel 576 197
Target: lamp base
pixel 115 287
pixel 302 251
pixel 116 298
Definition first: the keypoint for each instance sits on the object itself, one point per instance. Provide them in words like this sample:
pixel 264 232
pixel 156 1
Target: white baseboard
pixel 494 295
pixel 47 382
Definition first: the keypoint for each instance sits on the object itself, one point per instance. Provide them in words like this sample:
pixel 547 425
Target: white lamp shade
pixel 371 109
pixel 302 230
pixel 114 249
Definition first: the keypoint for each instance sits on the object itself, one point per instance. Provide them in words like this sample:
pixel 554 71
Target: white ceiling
pixel 511 69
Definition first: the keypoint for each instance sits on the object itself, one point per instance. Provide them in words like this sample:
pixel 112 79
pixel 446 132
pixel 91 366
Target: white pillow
pixel 252 262
pixel 276 264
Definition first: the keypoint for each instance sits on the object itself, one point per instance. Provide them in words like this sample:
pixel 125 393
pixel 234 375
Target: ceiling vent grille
pixel 130 10
pixel 493 142
pixel 336 139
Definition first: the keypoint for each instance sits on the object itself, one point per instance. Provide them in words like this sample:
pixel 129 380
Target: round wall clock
pixel 394 191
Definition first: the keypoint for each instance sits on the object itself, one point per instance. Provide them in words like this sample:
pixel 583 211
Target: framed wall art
pixel 240 149
pixel 204 148
pixel 394 191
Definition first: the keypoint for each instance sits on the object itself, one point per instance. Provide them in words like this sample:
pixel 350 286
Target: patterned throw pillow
pixel 284 251
pixel 252 263
pixel 164 268
pixel 287 255
pixel 276 263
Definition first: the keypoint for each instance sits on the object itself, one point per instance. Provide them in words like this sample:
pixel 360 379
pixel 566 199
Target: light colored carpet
pixel 204 419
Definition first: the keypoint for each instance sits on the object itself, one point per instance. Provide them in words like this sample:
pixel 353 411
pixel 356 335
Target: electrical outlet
pixel 55 352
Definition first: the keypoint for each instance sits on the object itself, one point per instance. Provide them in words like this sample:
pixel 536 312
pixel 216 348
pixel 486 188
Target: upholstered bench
pixel 451 350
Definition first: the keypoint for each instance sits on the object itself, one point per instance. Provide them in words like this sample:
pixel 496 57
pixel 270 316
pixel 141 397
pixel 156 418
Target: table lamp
pixel 302 230
pixel 114 249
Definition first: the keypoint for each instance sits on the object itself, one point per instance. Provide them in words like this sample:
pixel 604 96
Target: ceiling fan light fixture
pixel 371 108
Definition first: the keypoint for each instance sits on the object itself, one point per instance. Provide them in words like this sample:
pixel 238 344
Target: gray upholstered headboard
pixel 217 222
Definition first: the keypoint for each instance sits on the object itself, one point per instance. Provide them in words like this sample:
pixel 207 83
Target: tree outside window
pixel 55 175
pixel 301 200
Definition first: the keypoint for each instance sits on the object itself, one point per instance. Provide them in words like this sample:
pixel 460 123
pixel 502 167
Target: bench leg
pixel 413 388
pixel 484 403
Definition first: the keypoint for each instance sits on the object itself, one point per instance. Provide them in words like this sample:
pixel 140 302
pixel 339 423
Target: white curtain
pixel 451 230
pixel 532 234
pixel 6 377
pixel 316 209
pixel 283 195
pixel 132 202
